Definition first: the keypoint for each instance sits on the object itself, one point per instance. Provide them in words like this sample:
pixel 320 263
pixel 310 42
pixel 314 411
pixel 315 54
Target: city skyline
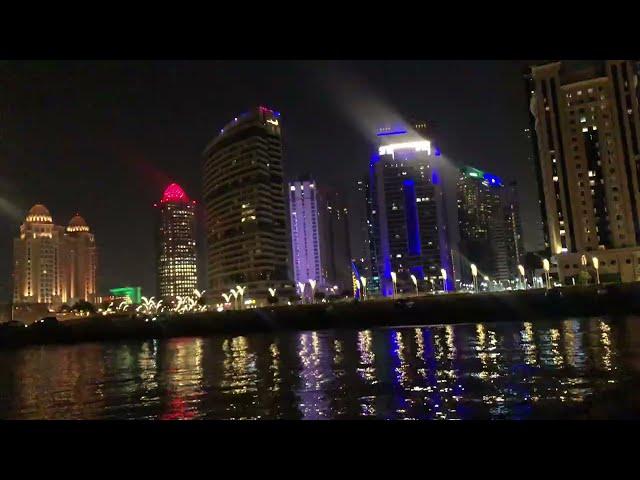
pixel 94 141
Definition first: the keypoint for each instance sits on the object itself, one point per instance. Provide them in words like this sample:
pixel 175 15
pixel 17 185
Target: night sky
pixel 104 138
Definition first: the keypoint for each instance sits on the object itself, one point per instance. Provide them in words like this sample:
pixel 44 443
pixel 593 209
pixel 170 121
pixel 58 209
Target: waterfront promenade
pixel 409 311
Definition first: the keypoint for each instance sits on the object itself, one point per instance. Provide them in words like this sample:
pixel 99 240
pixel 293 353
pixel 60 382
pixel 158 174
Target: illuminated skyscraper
pixel 82 260
pixel 587 141
pixel 407 211
pixel 483 224
pixel 244 193
pixel 53 264
pixel 305 233
pixel 176 244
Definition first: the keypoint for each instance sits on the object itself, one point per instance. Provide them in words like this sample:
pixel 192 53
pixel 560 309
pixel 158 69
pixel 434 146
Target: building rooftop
pixel 174 194
pixel 39 213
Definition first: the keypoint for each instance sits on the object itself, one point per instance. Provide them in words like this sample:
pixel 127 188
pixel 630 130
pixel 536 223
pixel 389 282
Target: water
pixel 587 368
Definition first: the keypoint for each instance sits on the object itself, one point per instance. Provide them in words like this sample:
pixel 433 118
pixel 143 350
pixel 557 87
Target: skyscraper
pixel 407 211
pixel 587 127
pixel 247 232
pixel 489 226
pixel 335 245
pixel 82 260
pixel 363 251
pixel 514 240
pixel 176 244
pixel 305 232
pixel 53 264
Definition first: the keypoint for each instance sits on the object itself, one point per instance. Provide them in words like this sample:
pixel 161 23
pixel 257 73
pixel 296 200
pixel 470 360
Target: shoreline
pixel 424 310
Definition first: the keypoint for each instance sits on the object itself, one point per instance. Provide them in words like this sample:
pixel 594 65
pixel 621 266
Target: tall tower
pixel 407 210
pixel 513 232
pixel 176 244
pixel 39 260
pixel 335 244
pixel 587 128
pixel 247 233
pixel 305 233
pixel 81 256
pixel 482 222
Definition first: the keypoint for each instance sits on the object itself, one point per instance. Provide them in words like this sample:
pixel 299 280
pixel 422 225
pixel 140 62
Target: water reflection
pixel 541 369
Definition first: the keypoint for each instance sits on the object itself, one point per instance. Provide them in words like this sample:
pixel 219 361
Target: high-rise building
pixel 335 245
pixel 305 232
pixel 514 240
pixel 53 264
pixel 82 260
pixel 587 133
pixel 489 226
pixel 407 211
pixel 247 233
pixel 363 250
pixel 176 244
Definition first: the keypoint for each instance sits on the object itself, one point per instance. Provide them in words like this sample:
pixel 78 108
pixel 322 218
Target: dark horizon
pixel 104 139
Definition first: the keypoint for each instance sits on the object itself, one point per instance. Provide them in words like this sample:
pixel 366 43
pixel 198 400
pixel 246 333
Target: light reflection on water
pixel 572 368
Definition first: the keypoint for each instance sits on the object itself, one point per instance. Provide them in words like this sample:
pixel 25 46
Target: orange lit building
pixel 53 264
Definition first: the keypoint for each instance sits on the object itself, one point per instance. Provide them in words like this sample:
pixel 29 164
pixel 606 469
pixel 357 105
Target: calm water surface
pixel 576 368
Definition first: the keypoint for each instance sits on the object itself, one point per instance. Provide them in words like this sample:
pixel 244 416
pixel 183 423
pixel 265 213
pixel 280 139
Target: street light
pixel 301 286
pixel 415 282
pixel 394 279
pixel 227 297
pixel 235 298
pixel 596 265
pixel 312 282
pixel 363 281
pixel 474 272
pixel 241 290
pixel 521 270
pixel 546 267
pixel 444 278
pixel 272 292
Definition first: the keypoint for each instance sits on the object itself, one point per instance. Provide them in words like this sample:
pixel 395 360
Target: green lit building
pixel 134 293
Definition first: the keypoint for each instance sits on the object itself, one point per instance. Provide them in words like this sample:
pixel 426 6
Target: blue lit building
pixel 406 212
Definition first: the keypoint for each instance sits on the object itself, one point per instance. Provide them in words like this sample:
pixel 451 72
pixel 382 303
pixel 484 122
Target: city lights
pixel 415 282
pixel 312 283
pixel 474 273
pixel 546 268
pixel 393 280
pixel 417 146
pixel 302 239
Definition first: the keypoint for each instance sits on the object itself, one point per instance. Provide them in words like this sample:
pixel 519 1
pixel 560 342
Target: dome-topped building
pixel 39 214
pixel 77 224
pixel 53 264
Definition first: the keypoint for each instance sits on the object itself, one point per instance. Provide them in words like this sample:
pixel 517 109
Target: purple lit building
pixel 305 236
pixel 407 215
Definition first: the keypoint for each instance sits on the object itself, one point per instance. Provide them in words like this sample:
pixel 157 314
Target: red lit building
pixel 176 244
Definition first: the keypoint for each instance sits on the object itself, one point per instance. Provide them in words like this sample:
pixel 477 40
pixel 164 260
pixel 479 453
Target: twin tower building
pixel 53 264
